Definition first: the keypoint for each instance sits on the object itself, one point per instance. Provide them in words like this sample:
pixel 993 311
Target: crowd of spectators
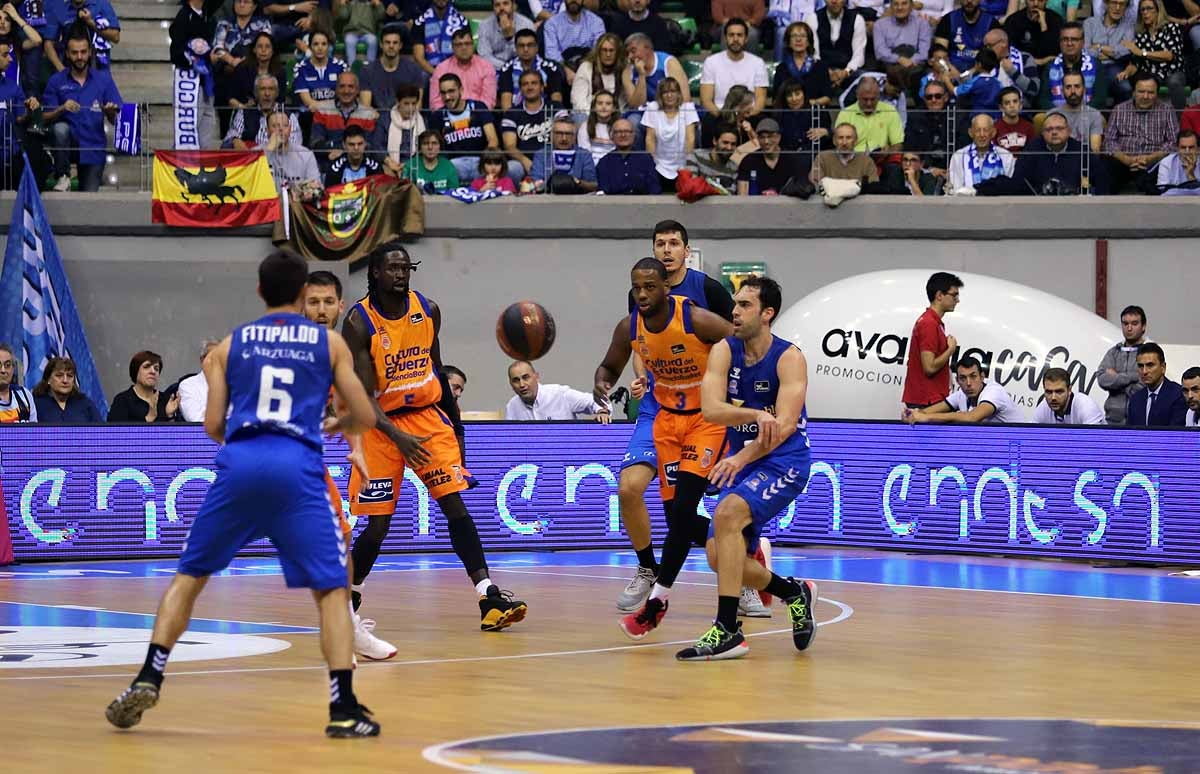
pixel 962 92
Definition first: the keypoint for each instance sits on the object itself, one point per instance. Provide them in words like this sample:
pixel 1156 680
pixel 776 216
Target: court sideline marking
pixel 845 612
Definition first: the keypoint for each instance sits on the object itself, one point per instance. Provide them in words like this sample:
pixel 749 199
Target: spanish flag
pixel 213 189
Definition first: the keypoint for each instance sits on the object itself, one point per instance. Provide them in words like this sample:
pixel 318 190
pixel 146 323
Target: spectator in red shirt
pixel 1191 118
pixel 1013 132
pixel 930 349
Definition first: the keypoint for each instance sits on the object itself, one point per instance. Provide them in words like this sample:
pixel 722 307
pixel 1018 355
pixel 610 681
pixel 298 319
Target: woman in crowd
pixel 58 399
pixel 736 112
pixel 1158 48
pixel 600 71
pixel 800 63
pixel 232 45
pixel 404 124
pixel 595 133
pixel 670 126
pixel 800 127
pixel 142 402
pixel 263 60
pixel 429 170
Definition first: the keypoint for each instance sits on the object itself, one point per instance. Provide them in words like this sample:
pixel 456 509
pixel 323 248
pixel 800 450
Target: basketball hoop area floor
pixel 932 664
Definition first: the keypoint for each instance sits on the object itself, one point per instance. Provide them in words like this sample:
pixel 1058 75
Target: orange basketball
pixel 525 331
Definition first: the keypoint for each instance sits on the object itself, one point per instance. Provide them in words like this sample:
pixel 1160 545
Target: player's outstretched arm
pixel 713 394
pixel 610 368
pixel 218 390
pixel 360 409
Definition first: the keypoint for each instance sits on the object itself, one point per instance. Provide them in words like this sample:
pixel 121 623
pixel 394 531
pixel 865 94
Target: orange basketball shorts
pixel 335 500
pixel 685 442
pixel 443 475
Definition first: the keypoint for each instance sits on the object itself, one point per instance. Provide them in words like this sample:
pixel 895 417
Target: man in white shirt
pixel 980 161
pixel 193 391
pixel 1191 394
pixel 1061 406
pixel 534 400
pixel 974 402
pixel 732 67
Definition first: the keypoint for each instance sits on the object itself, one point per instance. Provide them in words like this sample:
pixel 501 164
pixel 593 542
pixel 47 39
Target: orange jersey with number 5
pixel 400 349
pixel 675 356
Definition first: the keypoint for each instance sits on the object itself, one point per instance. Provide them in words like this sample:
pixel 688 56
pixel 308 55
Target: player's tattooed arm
pixel 610 368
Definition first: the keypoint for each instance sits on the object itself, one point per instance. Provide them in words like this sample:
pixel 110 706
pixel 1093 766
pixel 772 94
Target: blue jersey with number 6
pixel 279 377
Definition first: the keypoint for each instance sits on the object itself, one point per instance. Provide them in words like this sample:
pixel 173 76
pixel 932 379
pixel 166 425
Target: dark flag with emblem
pixel 213 189
pixel 352 218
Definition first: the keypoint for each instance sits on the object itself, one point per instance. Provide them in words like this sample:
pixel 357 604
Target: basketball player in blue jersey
pixel 640 464
pixel 273 376
pixel 755 385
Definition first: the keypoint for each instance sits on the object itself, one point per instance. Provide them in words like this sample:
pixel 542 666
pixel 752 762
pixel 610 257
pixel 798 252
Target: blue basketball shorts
pixel 640 450
pixel 768 486
pixel 269 486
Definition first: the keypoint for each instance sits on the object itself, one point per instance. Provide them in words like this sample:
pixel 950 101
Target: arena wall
pixel 144 286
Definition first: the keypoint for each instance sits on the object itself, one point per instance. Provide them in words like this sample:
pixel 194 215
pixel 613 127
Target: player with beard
pixel 393 335
pixel 755 385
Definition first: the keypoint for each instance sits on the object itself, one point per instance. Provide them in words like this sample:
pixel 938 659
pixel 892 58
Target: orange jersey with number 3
pixel 400 350
pixel 675 356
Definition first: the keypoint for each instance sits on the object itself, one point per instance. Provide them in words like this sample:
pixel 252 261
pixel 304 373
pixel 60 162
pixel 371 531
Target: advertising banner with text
pixel 121 491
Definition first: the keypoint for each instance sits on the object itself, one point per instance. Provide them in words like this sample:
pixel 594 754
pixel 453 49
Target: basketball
pixel 525 331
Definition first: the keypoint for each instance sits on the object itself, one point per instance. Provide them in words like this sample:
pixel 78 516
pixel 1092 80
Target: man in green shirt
pixel 428 170
pixel 877 122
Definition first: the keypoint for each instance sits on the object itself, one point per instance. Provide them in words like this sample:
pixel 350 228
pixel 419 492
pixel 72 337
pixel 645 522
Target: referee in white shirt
pixel 1061 406
pixel 975 401
pixel 534 400
pixel 1191 393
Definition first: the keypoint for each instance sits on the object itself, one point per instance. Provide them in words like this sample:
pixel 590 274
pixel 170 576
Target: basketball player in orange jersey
pixel 393 335
pixel 323 305
pixel 672 336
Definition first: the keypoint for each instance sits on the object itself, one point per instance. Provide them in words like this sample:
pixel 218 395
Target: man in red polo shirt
pixel 929 349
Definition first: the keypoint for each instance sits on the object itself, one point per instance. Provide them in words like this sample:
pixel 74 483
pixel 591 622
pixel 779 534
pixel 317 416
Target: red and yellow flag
pixel 213 189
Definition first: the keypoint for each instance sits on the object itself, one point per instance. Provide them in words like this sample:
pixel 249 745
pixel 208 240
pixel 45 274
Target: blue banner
pixel 39 313
pixel 79 492
pixel 127 136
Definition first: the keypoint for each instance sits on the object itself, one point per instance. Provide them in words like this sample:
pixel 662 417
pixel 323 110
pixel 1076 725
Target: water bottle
pixel 754 182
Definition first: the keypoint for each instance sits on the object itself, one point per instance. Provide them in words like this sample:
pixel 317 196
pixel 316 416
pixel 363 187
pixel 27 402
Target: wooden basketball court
pixel 922 650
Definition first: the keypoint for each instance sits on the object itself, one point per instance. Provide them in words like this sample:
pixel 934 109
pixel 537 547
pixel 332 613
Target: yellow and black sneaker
pixel 126 710
pixel 498 610
pixel 351 724
pixel 717 644
pixel 800 611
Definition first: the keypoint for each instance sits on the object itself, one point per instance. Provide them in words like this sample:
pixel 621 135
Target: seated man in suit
pixel 1160 403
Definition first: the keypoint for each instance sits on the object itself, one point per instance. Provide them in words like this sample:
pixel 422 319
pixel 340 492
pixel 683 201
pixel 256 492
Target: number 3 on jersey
pixel 680 401
pixel 269 393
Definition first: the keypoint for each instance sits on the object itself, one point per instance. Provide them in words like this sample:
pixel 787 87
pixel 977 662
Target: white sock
pixel 660 591
pixel 483 586
pixel 357 586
